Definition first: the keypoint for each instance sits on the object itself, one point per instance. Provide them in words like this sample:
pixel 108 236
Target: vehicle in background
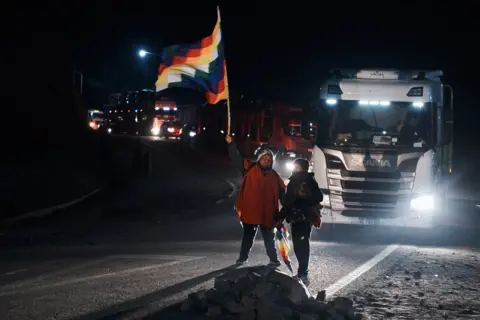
pixel 384 143
pixel 291 130
pixel 164 111
pixel 126 120
pixel 171 129
pixel 283 163
pixel 189 133
pixel 96 119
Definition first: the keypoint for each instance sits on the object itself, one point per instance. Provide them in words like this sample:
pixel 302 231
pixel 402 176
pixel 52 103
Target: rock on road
pixel 132 268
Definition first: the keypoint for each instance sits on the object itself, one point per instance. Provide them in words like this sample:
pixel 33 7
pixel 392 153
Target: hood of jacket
pixel 301 176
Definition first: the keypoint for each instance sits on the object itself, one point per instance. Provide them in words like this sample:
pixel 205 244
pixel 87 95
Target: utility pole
pixel 75 72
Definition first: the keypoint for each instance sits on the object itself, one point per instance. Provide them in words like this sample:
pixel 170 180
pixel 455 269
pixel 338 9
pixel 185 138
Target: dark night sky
pixel 276 50
pixel 279 50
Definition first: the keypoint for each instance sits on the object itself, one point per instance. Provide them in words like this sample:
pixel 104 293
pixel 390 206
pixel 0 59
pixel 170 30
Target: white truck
pixel 384 143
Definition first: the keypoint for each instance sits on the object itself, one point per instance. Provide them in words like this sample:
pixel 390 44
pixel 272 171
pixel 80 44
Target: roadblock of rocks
pixel 263 293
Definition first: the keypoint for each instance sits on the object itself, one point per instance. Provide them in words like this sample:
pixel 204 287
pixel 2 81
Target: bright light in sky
pixel 142 53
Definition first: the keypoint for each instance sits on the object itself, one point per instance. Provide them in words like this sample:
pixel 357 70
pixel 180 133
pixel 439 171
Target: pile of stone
pixel 263 293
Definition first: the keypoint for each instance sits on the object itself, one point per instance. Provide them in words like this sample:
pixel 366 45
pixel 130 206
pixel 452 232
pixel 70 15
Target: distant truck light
pixel 289 165
pixel 93 125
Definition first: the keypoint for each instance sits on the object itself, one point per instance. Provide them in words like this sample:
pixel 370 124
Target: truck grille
pixel 367 190
pixel 371 198
pixel 366 185
pixel 371 174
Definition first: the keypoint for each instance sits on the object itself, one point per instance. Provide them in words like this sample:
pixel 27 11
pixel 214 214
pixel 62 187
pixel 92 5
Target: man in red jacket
pixel 257 202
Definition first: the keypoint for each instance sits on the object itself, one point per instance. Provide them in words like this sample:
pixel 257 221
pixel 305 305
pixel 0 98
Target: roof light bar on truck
pixel 385 74
pixel 374 103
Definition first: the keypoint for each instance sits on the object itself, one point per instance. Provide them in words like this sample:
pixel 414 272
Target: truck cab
pixel 96 119
pixel 164 111
pixel 383 144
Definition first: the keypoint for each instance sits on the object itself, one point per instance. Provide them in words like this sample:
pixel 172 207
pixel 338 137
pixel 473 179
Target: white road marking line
pixel 96 277
pixel 207 244
pixel 47 211
pixel 352 276
pixel 11 273
pixel 154 256
pixel 39 265
pixel 78 267
pixel 27 282
pixel 33 281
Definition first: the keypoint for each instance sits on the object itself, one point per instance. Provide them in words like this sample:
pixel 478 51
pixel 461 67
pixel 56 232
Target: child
pixel 302 210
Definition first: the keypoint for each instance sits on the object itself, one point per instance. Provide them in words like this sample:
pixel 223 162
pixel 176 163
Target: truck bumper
pixel 415 210
pixel 423 204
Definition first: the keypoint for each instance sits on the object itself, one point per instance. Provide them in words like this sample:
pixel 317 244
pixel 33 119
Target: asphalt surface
pixel 128 254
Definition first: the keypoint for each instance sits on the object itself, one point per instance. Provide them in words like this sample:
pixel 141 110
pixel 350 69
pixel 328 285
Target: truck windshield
pixel 95 116
pixel 167 114
pixel 358 124
pixel 293 130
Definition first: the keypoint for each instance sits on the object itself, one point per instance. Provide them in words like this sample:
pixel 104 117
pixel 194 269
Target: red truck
pixel 164 111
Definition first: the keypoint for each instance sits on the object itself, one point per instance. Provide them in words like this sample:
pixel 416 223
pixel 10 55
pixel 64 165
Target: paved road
pixel 131 265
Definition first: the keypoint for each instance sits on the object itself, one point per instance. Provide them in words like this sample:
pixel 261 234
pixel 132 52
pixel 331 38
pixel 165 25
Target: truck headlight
pixel 289 165
pixel 422 203
pixel 170 130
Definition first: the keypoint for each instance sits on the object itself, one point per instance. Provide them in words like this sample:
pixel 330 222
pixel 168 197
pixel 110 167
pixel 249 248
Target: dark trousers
pixel 301 232
pixel 249 234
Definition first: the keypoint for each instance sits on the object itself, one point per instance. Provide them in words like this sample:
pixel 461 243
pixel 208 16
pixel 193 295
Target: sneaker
pixel 274 264
pixel 303 278
pixel 241 262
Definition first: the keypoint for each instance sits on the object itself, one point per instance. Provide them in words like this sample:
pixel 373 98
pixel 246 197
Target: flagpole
pixel 229 118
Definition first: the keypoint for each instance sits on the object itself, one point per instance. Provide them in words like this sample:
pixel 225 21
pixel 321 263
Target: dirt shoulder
pixel 430 283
